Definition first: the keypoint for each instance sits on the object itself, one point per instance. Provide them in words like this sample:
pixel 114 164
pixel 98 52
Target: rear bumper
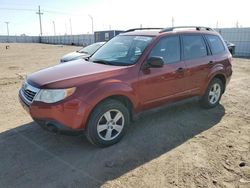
pixel 67 115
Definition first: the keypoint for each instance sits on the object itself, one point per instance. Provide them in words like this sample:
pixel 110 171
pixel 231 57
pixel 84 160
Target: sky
pixel 117 15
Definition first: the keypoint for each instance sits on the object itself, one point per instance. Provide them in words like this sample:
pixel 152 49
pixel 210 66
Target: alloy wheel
pixel 110 124
pixel 214 93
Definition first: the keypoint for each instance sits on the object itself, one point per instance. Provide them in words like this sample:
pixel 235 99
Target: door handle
pixel 180 70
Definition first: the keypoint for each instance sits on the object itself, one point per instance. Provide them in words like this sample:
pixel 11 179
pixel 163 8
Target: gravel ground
pixel 178 146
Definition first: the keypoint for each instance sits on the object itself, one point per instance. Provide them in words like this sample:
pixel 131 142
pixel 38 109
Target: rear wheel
pixel 213 93
pixel 107 123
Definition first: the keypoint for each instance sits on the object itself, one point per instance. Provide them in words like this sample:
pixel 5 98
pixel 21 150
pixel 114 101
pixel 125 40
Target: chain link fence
pixel 238 36
pixel 78 40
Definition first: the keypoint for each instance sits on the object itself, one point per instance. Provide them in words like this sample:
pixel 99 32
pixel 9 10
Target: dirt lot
pixel 179 146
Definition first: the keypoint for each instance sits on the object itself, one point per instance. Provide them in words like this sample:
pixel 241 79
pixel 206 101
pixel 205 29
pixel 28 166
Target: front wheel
pixel 213 94
pixel 107 123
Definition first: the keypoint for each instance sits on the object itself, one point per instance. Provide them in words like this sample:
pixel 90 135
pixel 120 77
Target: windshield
pixel 122 50
pixel 91 48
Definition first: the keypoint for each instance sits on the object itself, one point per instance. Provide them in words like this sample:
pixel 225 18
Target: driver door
pixel 158 85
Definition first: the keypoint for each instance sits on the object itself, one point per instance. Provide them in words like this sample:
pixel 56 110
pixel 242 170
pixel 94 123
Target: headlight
pixel 53 95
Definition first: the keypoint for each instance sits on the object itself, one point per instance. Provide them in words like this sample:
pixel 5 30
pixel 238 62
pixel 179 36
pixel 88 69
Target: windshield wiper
pixel 115 63
pixel 83 52
pixel 103 62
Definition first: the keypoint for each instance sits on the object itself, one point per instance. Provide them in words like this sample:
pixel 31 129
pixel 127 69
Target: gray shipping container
pixel 102 36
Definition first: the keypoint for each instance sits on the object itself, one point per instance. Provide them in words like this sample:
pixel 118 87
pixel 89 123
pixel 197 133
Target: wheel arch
pixel 219 75
pixel 121 98
pixel 222 78
pixel 121 93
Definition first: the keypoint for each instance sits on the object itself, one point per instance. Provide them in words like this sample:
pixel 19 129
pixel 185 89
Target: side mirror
pixel 155 62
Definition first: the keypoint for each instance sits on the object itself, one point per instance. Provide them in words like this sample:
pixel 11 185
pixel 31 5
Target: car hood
pixel 73 55
pixel 68 74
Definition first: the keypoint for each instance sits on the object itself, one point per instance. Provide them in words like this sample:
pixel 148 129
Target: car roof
pixel 170 30
pixel 142 32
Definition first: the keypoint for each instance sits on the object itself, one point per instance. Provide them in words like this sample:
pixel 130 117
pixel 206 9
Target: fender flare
pixel 216 71
pixel 111 88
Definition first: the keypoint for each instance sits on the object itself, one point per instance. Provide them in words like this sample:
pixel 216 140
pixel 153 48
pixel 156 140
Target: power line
pixel 63 13
pixel 17 9
pixel 47 11
pixel 40 13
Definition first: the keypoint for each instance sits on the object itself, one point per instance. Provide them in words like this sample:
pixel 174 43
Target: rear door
pixel 197 58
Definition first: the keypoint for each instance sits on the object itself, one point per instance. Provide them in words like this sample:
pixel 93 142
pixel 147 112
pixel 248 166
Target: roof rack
pixel 198 28
pixel 145 28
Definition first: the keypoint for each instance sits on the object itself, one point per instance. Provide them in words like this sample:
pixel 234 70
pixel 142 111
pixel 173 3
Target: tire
pixel 213 94
pixel 107 123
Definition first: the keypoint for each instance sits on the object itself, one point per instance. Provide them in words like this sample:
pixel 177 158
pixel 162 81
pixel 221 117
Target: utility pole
pixel 217 24
pixel 40 20
pixel 70 24
pixel 7 25
pixel 54 27
pixel 92 23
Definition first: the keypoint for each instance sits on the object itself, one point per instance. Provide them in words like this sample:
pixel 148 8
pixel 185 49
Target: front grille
pixel 29 92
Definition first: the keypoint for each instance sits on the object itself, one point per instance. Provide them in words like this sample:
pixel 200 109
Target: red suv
pixel 137 70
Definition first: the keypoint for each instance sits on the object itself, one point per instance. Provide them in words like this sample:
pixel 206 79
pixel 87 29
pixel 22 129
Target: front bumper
pixel 56 127
pixel 66 115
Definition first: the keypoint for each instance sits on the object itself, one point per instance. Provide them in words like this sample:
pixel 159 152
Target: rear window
pixel 215 44
pixel 194 46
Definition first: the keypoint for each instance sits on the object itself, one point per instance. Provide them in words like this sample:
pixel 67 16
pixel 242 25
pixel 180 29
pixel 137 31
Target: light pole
pixel 54 27
pixel 70 24
pixel 92 23
pixel 7 25
pixel 172 21
pixel 66 28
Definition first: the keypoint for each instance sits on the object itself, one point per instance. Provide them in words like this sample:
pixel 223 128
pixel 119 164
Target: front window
pixel 122 50
pixel 168 48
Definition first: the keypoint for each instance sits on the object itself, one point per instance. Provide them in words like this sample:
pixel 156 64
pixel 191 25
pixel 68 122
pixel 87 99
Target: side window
pixel 168 48
pixel 194 47
pixel 215 44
